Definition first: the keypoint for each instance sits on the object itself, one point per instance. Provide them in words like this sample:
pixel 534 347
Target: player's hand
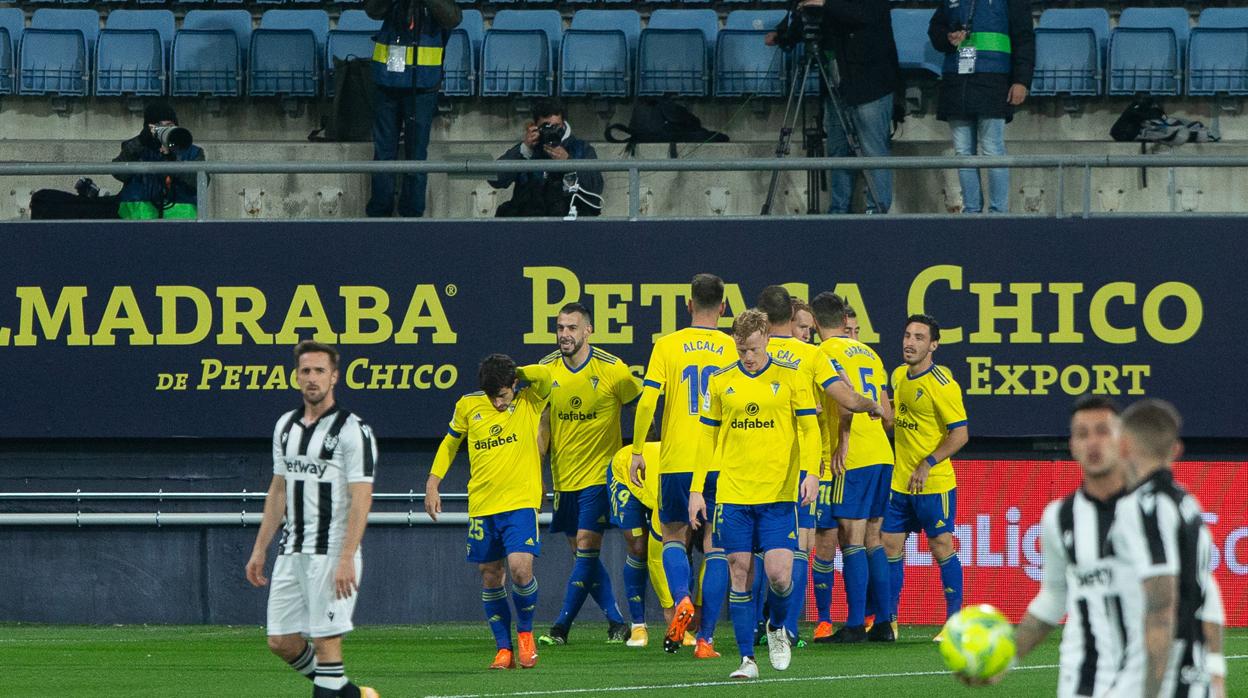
pixel 837 466
pixel 433 504
pixel 810 489
pixel 637 469
pixel 556 152
pixel 876 411
pixel 530 135
pixel 697 509
pixel 255 569
pixel 344 579
pixel 919 478
pixel 957 37
pixel 1018 92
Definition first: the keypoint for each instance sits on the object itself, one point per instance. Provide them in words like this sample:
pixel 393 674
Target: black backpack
pixel 1128 126
pixel 350 115
pixel 660 120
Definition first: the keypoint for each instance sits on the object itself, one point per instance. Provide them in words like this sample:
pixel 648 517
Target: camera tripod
pixel 828 75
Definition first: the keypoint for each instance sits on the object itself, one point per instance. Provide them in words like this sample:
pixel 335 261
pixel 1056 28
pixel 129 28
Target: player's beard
pixel 314 396
pixel 576 347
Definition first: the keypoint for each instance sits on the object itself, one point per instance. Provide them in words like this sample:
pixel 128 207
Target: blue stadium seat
pixel 159 20
pixel 519 52
pixel 463 56
pixel 1217 58
pixel 674 54
pixel 13 22
pixel 1070 52
pixel 914 50
pixel 352 38
pixel 598 52
pixel 1146 51
pixel 55 53
pixel 286 53
pixel 130 62
pixel 744 65
pixel 210 52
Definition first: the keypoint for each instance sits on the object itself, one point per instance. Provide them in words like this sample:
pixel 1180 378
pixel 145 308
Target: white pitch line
pixel 709 684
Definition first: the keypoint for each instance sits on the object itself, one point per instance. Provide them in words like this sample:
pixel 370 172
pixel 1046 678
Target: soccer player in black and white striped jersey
pixel 1159 528
pixel 323 463
pixel 1085 578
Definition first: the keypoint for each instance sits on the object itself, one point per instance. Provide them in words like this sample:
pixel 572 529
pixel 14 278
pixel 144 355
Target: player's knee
pixel 588 540
pixel 285 646
pixel 637 547
pixel 491 575
pixel 942 545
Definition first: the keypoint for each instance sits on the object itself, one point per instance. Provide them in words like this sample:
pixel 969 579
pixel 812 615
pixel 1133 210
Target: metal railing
pixel 1081 165
pixel 79 519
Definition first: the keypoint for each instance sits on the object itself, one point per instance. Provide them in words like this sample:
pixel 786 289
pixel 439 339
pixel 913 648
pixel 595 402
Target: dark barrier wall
pixel 185 330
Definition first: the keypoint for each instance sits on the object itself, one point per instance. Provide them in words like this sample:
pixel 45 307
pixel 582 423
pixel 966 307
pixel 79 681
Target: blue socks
pixel 780 601
pixel 824 578
pixel 759 588
pixel 525 598
pixel 854 569
pixel 714 587
pixel 801 568
pixel 498 615
pixel 603 592
pixel 579 586
pixel 896 577
pixel 741 610
pixel 878 595
pixel 635 575
pixel 951 580
pixel 676 566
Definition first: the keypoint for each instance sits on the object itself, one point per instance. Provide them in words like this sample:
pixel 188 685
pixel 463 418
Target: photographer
pixel 407 69
pixel 152 196
pixel 990 52
pixel 859 35
pixel 549 136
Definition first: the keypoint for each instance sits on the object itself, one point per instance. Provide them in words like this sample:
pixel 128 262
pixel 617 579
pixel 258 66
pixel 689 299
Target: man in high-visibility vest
pixel 407 69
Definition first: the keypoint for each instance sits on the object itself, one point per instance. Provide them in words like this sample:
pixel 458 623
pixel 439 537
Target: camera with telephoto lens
pixel 550 135
pixel 812 19
pixel 173 137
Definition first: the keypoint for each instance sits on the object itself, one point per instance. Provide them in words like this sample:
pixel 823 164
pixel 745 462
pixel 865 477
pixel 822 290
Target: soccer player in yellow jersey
pixel 589 387
pixel 680 367
pixel 851 323
pixel 755 414
pixel 853 500
pixel 504 493
pixel 929 428
pixel 824 379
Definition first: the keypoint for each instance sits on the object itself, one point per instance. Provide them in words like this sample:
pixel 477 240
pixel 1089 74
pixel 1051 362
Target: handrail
pixel 199 496
pixel 158 519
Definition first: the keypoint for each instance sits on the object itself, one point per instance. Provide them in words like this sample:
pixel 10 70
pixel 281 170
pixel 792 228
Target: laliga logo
pixel 575 403
pixel 751 409
pixel 496 430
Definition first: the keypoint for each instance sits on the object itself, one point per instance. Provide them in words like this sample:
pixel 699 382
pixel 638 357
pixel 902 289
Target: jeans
pixel 873 122
pixel 412 113
pixel 989 136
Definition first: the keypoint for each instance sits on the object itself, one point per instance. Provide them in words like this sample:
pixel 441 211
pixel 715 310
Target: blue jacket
pixel 420 28
pixel 156 188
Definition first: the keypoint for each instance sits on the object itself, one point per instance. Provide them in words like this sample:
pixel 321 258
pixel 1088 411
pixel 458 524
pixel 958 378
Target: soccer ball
pixel 977 642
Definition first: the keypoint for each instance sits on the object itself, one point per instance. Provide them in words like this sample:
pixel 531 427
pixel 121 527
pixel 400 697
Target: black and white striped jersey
pixel 1159 528
pixel 1087 580
pixel 318 462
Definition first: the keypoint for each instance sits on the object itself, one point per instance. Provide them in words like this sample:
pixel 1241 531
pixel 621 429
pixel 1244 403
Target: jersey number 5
pixel 868 388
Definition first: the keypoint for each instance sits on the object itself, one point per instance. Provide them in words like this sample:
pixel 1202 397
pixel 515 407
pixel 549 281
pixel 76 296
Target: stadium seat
pixel 210 52
pixel 519 51
pixel 55 53
pixel 13 23
pixel 674 53
pixel 352 38
pixel 130 62
pixel 463 56
pixel 744 65
pixel 6 62
pixel 286 53
pixel 914 50
pixel 1217 54
pixel 598 52
pixel 1146 51
pixel 1070 52
pixel 159 20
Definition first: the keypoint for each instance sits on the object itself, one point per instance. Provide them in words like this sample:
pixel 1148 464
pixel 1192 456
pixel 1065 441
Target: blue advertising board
pixel 171 330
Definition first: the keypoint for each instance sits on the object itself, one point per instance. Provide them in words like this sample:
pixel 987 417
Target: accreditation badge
pixel 966 60
pixel 396 59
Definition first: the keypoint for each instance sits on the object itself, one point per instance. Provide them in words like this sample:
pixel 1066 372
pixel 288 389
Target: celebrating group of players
pixel 771 446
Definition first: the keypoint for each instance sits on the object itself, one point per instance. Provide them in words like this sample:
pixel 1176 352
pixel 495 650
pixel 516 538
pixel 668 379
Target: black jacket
pixel 445 12
pixel 154 188
pixel 541 193
pixel 984 95
pixel 860 34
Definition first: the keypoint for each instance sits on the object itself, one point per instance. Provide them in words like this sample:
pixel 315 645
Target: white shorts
pixel 302 597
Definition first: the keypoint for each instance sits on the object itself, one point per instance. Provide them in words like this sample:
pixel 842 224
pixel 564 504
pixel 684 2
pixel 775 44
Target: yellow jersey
pixel 810 363
pixel 680 368
pixel 585 404
pixel 868 442
pixel 750 423
pixel 505 466
pixel 928 406
pixel 648 493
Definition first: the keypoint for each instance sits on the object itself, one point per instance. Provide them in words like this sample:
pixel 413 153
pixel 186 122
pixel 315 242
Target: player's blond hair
pixel 749 322
pixel 799 304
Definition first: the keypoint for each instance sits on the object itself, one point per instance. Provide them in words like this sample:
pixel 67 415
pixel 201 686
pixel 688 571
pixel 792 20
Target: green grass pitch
pixel 450 660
